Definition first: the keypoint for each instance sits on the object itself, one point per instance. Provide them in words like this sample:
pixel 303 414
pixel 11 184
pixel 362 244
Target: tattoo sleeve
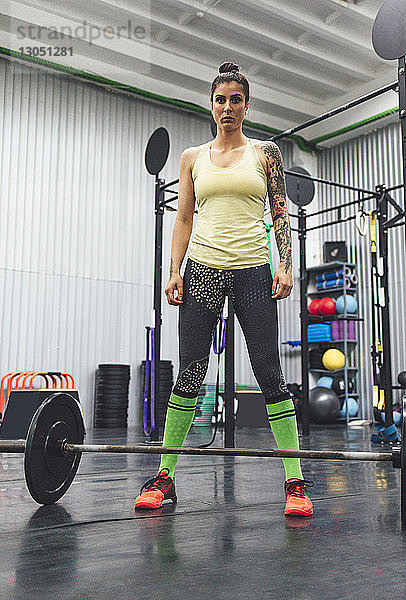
pixel 277 203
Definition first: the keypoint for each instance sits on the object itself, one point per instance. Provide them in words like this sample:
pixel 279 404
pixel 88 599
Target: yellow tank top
pixel 230 230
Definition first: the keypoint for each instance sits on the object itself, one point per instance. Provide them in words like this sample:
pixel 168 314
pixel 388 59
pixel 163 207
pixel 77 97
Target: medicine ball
pixel 314 306
pixel 324 405
pixel 325 382
pixel 352 408
pixel 339 385
pixel 402 379
pixel 346 300
pixel 397 417
pixel 327 306
pixel 333 359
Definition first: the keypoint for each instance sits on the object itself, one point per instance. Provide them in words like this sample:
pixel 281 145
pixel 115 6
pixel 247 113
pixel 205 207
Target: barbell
pixel 54 445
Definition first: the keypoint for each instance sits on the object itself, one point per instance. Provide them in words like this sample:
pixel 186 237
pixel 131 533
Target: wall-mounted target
pixel 157 151
pixel 300 191
pixel 389 30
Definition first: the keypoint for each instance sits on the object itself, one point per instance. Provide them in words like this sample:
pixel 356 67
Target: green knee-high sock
pixel 282 420
pixel 179 418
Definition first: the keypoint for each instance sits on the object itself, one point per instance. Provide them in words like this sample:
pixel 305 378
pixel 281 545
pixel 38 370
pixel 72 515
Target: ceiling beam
pixel 368 13
pixel 256 29
pixel 313 24
pixel 144 57
pixel 257 58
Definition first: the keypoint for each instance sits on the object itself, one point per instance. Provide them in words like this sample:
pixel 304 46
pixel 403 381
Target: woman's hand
pixel 282 283
pixel 174 283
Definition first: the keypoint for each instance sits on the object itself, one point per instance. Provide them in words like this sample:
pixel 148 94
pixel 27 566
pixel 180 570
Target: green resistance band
pixel 268 228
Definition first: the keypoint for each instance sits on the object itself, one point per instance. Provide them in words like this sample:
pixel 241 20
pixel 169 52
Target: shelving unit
pixel 349 347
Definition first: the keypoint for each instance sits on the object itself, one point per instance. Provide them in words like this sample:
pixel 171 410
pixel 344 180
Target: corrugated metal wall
pixel 368 161
pixel 77 228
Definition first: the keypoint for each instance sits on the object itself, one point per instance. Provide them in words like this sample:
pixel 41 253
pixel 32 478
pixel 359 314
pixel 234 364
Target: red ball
pixel 314 306
pixel 327 306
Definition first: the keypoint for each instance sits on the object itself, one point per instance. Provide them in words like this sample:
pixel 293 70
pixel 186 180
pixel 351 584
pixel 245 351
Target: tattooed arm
pixel 283 283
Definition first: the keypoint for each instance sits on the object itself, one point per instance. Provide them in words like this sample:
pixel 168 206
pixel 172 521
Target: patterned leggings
pixel 250 291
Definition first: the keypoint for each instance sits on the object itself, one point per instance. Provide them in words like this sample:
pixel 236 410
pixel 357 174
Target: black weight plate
pixel 112 400
pixel 389 30
pixel 111 404
pixel 114 377
pixel 299 190
pixel 110 414
pixel 157 151
pixel 113 366
pixel 120 419
pixel 112 424
pixel 112 385
pixel 113 381
pixel 49 472
pixel 112 391
pixel 112 409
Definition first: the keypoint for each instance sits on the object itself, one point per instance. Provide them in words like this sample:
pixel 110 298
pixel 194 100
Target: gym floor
pixel 227 537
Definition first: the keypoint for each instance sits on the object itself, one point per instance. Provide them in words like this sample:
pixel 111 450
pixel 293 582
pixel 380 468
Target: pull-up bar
pixel 336 111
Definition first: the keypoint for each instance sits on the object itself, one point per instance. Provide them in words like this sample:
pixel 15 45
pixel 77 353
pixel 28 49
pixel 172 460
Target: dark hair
pixel 229 71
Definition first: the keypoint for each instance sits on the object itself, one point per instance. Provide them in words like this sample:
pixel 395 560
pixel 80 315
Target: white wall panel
pixel 367 161
pixel 77 228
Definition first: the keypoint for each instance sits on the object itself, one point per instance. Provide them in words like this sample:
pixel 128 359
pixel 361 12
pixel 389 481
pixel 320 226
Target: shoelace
pixel 298 488
pixel 155 482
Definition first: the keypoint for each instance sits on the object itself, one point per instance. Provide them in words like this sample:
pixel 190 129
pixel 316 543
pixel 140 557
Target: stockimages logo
pixel 85 31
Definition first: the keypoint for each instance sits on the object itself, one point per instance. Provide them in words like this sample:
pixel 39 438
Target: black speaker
pixel 334 251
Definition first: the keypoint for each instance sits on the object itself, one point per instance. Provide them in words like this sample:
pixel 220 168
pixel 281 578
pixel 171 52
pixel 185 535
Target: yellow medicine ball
pixel 333 359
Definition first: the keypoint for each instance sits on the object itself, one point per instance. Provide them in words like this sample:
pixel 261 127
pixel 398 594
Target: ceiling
pixel 302 57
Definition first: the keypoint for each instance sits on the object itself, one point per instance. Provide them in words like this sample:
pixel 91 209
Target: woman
pixel 230 178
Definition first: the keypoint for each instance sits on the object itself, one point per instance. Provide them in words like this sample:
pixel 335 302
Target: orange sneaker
pixel 155 491
pixel 297 501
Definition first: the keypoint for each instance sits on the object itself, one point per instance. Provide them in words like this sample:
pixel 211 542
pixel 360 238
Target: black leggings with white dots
pixel 250 291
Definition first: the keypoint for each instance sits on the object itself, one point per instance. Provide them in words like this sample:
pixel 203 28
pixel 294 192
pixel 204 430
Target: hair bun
pixel 229 67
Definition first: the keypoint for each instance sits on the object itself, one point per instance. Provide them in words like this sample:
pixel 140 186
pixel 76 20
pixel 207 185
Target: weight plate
pixel 389 30
pixel 117 398
pixel 113 380
pixel 49 472
pixel 111 425
pixel 114 366
pixel 299 190
pixel 157 150
pixel 116 370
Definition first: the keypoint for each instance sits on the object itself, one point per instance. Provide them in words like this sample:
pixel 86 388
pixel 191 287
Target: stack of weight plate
pixel 111 396
pixel 165 389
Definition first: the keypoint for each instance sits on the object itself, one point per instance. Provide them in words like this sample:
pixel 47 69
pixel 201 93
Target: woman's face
pixel 228 106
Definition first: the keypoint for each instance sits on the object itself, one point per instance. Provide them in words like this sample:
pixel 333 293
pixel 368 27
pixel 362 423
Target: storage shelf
pixel 334 342
pixel 329 318
pixel 340 288
pixel 327 372
pixel 350 345
pixel 331 266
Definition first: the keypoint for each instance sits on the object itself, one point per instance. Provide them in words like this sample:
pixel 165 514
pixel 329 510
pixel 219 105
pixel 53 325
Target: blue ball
pixel 350 301
pixel 352 408
pixel 325 382
pixel 397 417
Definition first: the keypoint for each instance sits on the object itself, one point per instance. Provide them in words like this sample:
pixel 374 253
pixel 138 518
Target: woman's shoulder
pixel 265 145
pixel 190 154
pixel 193 151
pixel 268 152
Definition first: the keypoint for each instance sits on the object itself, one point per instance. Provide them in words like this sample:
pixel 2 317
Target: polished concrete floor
pixel 227 537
